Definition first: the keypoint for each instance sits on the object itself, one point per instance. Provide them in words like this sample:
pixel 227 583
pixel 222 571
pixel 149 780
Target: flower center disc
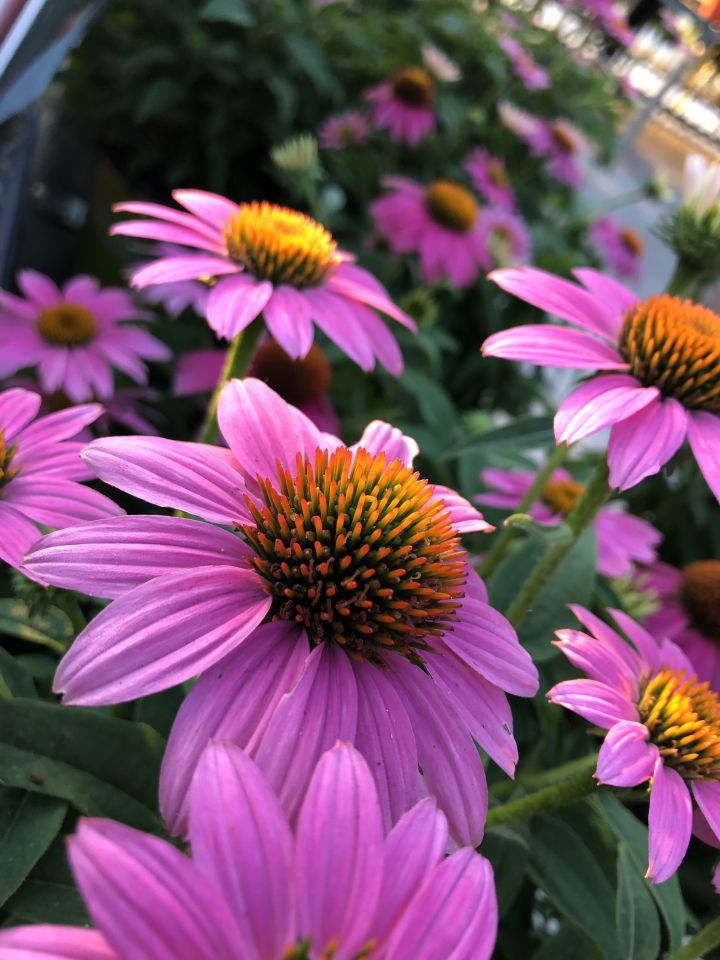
pixel 280 245
pixel 450 205
pixel 358 551
pixel 561 495
pixel 66 325
pixel 700 596
pixel 562 138
pixel 6 455
pixel 683 717
pixel 674 345
pixel 414 87
pixel 632 241
pixel 297 381
pixel 498 174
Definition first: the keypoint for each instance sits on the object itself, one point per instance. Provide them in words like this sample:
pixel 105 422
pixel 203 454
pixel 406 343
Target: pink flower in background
pixel 134 408
pixel 348 129
pixel 689 611
pixel 313 625
pixel 198 371
pixel 440 64
pixel 663 727
pixel 532 75
pixel 260 888
pixel 622 539
pixel 440 222
pixel 557 141
pixel 620 248
pixel 505 237
pixel 657 360
pixel 41 472
pixel 74 336
pixel 405 106
pixel 175 298
pixel 269 260
pixel 490 178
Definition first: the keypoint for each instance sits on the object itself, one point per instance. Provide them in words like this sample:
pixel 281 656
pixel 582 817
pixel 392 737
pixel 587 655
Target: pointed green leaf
pixel 29 823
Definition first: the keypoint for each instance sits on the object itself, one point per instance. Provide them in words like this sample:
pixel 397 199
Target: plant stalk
pixel 564 791
pixel 236 362
pixel 703 941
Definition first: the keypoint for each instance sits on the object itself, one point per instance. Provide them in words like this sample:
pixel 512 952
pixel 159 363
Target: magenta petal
pixel 453 916
pixel 339 854
pixel 161 633
pixel 109 557
pixel 287 315
pixel 704 437
pixel 235 302
pixel 17 534
pixel 45 942
pixel 186 267
pixel 150 901
pixel 626 758
pixel 640 445
pixel 210 207
pixel 553 347
pixel 381 437
pixel 17 409
pixel 669 822
pixel 464 516
pixel 707 795
pixel 596 702
pixel 38 288
pixel 233 700
pixel 357 284
pixel 613 294
pixel 598 628
pixel 241 840
pixel 62 503
pixel 54 427
pixel 599 403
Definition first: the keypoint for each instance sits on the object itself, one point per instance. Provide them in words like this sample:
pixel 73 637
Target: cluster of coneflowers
pixel 348 662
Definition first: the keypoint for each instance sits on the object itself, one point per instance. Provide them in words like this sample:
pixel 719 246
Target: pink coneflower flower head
pixel 440 222
pixel 622 539
pixel 657 360
pixel 259 888
pixel 560 143
pixel 530 73
pixel 343 607
pixel 348 129
pixel 41 472
pixel 405 105
pixel 506 238
pixel 74 336
pixel 620 248
pixel 517 121
pixel 265 259
pixel 490 178
pixel 663 727
pixel 689 611
pixel 440 64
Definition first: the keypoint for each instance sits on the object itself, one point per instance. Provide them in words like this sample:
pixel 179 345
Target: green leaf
pixel 524 433
pixel 15 681
pixel 228 11
pixel 564 867
pixel 158 96
pixel 105 767
pixel 29 823
pixel 633 833
pixel 636 916
pixel 507 851
pixel 49 895
pixel 52 628
pixel 436 407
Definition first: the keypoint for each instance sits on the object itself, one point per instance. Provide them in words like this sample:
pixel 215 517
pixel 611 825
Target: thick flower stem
pixel 567 790
pixel 701 943
pixel 684 281
pixel 595 495
pixel 505 536
pixel 236 361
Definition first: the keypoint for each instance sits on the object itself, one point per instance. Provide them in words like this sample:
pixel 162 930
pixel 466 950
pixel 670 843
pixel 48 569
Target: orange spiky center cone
pixel 700 596
pixel 66 325
pixel 451 205
pixel 414 87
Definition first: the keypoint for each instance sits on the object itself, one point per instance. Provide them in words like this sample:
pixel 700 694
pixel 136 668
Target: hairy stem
pixel 701 943
pixel 236 361
pixel 565 790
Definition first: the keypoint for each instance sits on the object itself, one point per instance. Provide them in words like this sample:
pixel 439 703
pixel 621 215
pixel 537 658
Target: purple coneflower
pixel 621 248
pixel 348 129
pixel 530 73
pixel 490 178
pixel 405 105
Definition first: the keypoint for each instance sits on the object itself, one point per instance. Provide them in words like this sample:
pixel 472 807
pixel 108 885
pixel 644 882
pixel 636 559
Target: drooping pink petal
pixel 333 314
pixel 384 345
pixel 287 315
pixel 17 409
pixel 357 284
pixel 598 628
pixel 235 302
pixel 381 437
pixel 622 541
pixel 669 822
pixel 594 701
pixel 161 633
pixel 599 403
pixel 553 347
pixel 210 207
pixel 60 504
pixel 704 437
pixel 597 659
pixel 707 795
pixel 465 517
pixel 611 293
pixel 198 371
pixel 453 916
pixel 161 212
pixel 53 428
pixel 191 266
pixel 192 477
pixel 46 942
pixel 38 288
pixel 107 558
pixel 17 534
pixel 150 901
pixel 339 854
pixel 241 840
pixel 640 445
pixel 642 640
pixel 626 758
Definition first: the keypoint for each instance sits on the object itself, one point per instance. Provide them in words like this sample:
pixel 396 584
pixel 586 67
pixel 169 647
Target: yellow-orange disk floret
pixel 414 87
pixel 356 549
pixel 6 454
pixel 280 245
pixel 700 596
pixel 674 345
pixel 683 717
pixel 451 205
pixel 66 325
pixel 561 495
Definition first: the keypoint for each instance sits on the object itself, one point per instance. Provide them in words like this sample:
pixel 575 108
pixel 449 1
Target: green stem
pixel 534 781
pixel 701 943
pixel 684 281
pixel 558 794
pixel 506 534
pixel 236 361
pixel 595 494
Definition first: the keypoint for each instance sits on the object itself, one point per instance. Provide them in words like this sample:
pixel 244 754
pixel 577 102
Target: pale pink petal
pixel 161 212
pixel 611 293
pixel 44 942
pixel 150 901
pixel 597 659
pixel 707 796
pixel 669 822
pixel 38 288
pixel 626 758
pixel 17 534
pixel 17 409
pixel 464 516
pixel 622 541
pixel 704 437
pixel 52 367
pixel 287 315
pixel 640 445
pixel 598 628
pixel 109 557
pixel 553 347
pixel 191 266
pixel 381 437
pixel 172 233
pixel 384 345
pixel 339 854
pixel 210 207
pixel 357 284
pixel 62 503
pixel 198 371
pixel 21 348
pixel 599 403
pixel 594 701
pixel 644 642
pixel 241 840
pixel 334 316
pixel 235 302
pixel 161 633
